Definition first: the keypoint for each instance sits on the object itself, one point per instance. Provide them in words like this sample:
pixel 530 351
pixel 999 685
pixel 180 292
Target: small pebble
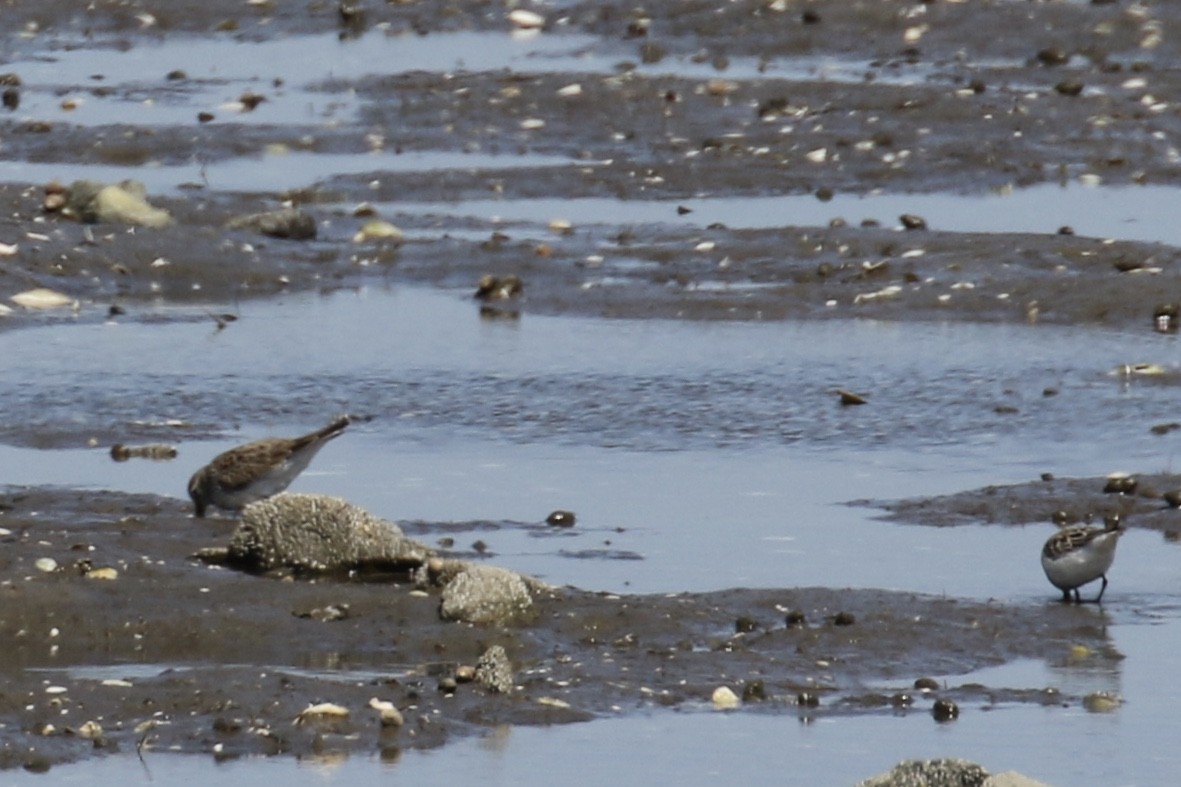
pixel 560 518
pixel 912 222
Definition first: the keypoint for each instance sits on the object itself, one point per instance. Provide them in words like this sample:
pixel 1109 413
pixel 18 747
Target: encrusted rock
pixel 943 772
pixel 485 594
pixel 494 671
pixel 288 223
pixel 319 533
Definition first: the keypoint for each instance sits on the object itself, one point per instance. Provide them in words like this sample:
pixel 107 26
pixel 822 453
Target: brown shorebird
pixel 250 472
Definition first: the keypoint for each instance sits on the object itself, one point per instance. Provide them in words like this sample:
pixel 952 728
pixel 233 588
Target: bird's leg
pixel 1077 598
pixel 1065 596
pixel 1103 587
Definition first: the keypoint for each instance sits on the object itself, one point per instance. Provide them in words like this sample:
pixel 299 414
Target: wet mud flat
pixel 892 97
pixel 173 654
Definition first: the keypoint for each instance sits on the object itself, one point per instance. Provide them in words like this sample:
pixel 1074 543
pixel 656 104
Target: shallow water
pixel 697 457
pixel 1140 213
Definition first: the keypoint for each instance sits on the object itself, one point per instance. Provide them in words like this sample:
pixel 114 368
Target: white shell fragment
pixel 46 564
pixel 322 710
pixel 526 20
pixel 724 698
pixel 390 715
pixel 378 230
pixel 41 298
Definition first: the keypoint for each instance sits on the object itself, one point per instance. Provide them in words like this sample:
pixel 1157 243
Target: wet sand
pixel 921 99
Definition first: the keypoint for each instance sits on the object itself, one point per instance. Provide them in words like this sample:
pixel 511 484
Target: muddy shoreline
pixel 176 655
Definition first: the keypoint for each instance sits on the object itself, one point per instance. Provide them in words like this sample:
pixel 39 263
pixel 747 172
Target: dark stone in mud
pixel 560 518
pixel 945 710
pixel 247 655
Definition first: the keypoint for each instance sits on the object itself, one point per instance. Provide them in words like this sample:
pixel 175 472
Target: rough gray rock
pixel 288 223
pixel 122 203
pixel 319 533
pixel 485 594
pixel 494 671
pixel 931 773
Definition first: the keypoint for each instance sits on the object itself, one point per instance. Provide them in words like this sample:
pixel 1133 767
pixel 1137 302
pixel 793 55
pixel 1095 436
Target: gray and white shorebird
pixel 1074 556
pixel 257 470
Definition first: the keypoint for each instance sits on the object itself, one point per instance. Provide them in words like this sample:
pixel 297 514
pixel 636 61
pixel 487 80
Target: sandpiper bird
pixel 250 472
pixel 1075 556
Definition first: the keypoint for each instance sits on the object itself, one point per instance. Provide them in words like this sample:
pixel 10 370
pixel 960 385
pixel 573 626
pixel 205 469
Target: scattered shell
pixel 491 288
pixel 91 730
pixel 926 684
pixel 56 689
pixel 553 702
pixel 817 156
pixel 570 90
pixel 1101 702
pixel 323 710
pixel 1120 484
pixel 390 715
pixel 912 221
pixel 532 124
pixel 104 572
pixel 41 298
pixel 912 35
pixel 1164 317
pixel 526 20
pixel 8 249
pixel 724 698
pixel 378 230
pixel 45 564
pixel 1139 369
pixel 326 614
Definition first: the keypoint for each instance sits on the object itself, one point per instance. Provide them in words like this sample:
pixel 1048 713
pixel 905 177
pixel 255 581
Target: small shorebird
pixel 1075 556
pixel 250 472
